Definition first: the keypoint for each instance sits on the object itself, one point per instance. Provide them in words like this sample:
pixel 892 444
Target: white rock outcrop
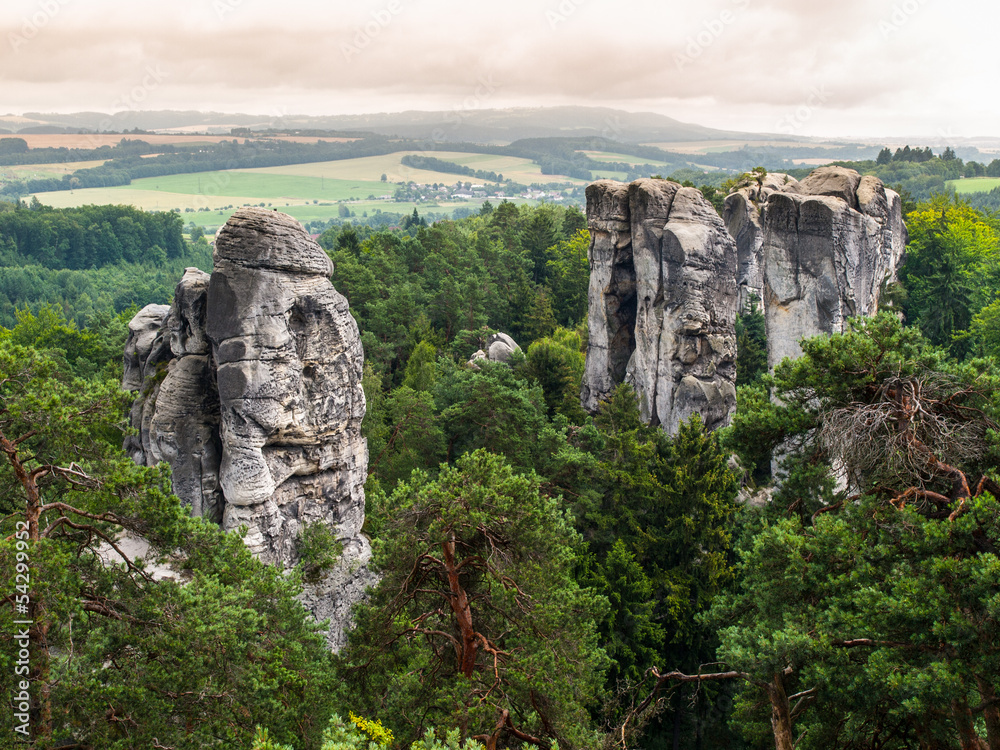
pixel 499 348
pixel 742 217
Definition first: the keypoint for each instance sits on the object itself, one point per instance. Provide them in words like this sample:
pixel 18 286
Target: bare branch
pixel 64 521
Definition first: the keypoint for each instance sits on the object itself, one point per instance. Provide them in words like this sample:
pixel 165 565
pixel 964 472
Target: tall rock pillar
pixel 250 387
pixel 675 269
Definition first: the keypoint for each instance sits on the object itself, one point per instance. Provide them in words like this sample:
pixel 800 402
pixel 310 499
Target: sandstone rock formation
pixel 499 348
pixel 249 386
pixel 663 302
pixel 665 274
pixel 168 360
pixel 830 242
pixel 742 216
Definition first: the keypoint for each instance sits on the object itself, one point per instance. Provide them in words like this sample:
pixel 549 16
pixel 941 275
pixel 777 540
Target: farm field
pixel 148 200
pixel 511 167
pixel 633 160
pixel 974 184
pixel 714 147
pixel 296 184
pixel 366 168
pixel 270 185
pixel 215 190
pixel 373 167
pixel 369 169
pixel 96 140
pixel 212 220
pixel 21 171
pixel 43 171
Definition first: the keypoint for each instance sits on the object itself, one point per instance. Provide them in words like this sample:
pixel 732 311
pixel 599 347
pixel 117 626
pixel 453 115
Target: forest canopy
pixel 547 575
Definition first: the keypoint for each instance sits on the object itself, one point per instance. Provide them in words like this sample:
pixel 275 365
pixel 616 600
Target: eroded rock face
pixel 830 243
pixel 250 388
pixel 177 411
pixel 663 302
pixel 612 304
pixel 742 216
pixel 816 252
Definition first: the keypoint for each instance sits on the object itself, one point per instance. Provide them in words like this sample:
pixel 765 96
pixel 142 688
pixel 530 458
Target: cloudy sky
pixel 851 67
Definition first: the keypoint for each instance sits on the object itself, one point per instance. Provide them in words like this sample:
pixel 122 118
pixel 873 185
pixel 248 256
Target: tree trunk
pixel 463 613
pixel 781 718
pixel 38 632
pixel 991 714
pixel 965 724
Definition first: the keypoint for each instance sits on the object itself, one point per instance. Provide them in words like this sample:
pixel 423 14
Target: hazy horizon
pixel 857 69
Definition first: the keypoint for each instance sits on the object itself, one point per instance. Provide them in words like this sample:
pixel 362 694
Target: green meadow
pixel 608 156
pixel 974 184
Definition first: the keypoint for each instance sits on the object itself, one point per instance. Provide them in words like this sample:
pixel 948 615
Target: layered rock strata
pixel 249 386
pixel 663 302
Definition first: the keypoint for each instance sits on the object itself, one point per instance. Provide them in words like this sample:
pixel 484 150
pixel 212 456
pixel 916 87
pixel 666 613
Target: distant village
pixel 467 191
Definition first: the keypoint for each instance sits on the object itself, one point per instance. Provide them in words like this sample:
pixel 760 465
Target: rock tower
pixel 667 277
pixel 663 302
pixel 249 386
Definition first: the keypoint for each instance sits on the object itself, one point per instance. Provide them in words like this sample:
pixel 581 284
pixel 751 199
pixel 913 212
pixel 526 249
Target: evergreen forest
pixel 630 589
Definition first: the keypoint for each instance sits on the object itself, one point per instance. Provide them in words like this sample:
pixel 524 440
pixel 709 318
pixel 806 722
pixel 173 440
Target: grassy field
pixel 24 171
pixel 369 169
pixel 214 190
pixel 43 171
pixel 373 167
pixel 148 200
pixel 95 140
pixel 263 185
pixel 714 147
pixel 511 167
pixel 633 160
pixel 974 184
pixel 297 184
pixel 306 191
